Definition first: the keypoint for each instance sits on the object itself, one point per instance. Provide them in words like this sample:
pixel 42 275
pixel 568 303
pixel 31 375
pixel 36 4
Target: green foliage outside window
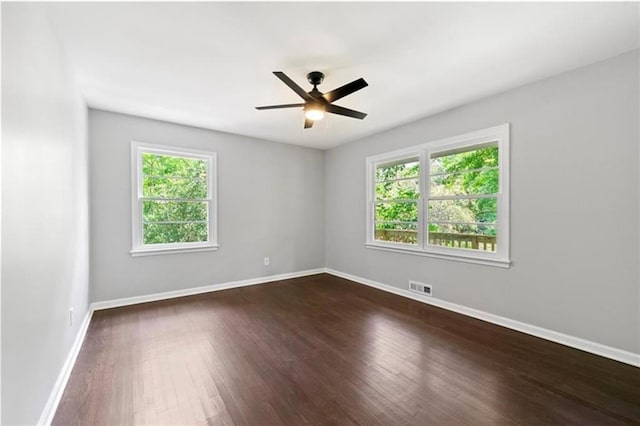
pixel 460 174
pixel 175 206
pixel 466 173
pixel 397 192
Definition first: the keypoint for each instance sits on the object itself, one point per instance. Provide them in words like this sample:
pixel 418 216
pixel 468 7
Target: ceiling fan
pixel 317 103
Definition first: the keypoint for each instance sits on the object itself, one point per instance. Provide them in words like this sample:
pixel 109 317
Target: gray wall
pixel 45 234
pixel 575 162
pixel 270 204
pixel 574 206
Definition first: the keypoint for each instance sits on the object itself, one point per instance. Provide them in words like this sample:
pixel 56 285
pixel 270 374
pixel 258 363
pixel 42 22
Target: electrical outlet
pixel 70 317
pixel 266 261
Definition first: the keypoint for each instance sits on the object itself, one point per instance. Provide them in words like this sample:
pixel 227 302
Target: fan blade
pixel 299 90
pixel 308 123
pixel 280 106
pixel 345 111
pixel 345 90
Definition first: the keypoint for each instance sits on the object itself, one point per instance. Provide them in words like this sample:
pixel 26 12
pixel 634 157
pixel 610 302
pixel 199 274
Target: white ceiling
pixel 210 64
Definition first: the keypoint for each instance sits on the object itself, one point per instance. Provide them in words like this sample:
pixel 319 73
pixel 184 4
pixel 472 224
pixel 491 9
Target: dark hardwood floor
pixel 323 350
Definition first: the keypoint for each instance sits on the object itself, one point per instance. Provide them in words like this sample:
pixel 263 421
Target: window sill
pixel 173 250
pixel 500 263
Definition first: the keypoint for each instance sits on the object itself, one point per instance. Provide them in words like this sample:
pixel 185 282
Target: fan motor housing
pixel 315 77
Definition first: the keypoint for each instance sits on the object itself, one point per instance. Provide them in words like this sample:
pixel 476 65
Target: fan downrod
pixel 315 77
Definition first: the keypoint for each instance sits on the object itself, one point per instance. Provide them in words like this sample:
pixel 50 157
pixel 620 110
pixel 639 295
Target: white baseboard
pixel 554 336
pixel 58 389
pixel 199 290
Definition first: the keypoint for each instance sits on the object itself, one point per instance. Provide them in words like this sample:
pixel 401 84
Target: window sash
pixel 139 233
pixel 390 162
pixel 141 198
pixel 429 155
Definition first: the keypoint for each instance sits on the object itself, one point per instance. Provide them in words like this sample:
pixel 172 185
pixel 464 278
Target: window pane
pixel 405 169
pixel 397 221
pixel 397 232
pixel 475 237
pixel 174 211
pixel 167 165
pixel 464 183
pixel 174 233
pixel 166 176
pixel 174 187
pixel 465 210
pixel 393 212
pixel 399 189
pixel 467 160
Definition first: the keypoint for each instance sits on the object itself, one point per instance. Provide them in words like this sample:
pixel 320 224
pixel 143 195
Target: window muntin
pixel 462 188
pixel 174 203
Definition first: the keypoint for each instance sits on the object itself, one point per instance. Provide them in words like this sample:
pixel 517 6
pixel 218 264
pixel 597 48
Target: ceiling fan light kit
pixel 317 103
pixel 314 112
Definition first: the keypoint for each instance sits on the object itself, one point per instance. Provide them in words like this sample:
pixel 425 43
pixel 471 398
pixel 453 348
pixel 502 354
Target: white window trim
pixel 501 258
pixel 140 249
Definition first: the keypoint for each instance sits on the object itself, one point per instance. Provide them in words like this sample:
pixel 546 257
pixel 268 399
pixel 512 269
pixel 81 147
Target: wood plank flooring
pixel 323 350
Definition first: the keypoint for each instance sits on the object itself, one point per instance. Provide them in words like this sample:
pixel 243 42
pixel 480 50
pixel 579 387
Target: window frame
pixel 138 248
pixel 497 136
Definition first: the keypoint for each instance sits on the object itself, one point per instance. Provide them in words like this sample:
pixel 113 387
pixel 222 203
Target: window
pixel 174 199
pixel 446 199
